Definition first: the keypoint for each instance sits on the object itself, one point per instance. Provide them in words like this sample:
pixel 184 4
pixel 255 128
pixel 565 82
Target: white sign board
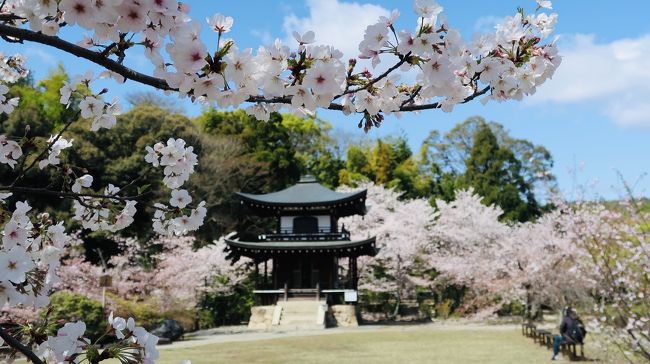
pixel 350 296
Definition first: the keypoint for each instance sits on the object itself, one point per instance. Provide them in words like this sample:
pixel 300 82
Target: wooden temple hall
pixel 307 254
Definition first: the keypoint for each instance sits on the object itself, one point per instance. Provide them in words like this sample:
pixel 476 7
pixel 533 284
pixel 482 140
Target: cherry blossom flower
pixel 10 151
pixel 14 264
pixel 118 324
pixel 80 12
pixel 13 234
pixel 84 181
pixel 148 342
pixel 427 8
pixel 91 107
pixel 9 294
pixel 66 343
pixel 220 23
pixel 324 79
pixel 7 105
pixel 180 198
pixel 303 39
pixel 374 38
pixel 55 151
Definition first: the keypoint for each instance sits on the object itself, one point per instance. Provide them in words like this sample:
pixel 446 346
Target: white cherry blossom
pixel 427 8
pixel 13 234
pixel 84 181
pixel 54 151
pixel 14 264
pixel 9 294
pixel 10 151
pixel 220 23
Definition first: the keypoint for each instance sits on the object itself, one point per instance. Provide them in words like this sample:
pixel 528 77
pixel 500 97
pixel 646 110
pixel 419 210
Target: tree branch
pixel 23 172
pixel 45 191
pixel 19 346
pixel 130 74
pixel 378 78
pixel 95 57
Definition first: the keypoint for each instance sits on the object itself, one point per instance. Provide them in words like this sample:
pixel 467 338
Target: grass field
pixel 428 344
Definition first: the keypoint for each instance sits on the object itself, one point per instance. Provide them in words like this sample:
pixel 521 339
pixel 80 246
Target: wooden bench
pixel 528 329
pixel 546 337
pixel 571 349
pixel 543 337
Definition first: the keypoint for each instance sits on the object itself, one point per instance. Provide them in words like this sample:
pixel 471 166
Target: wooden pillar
pixel 286 291
pixel 353 261
pixel 266 278
pixel 350 277
pixel 257 276
pixel 275 274
pixel 333 272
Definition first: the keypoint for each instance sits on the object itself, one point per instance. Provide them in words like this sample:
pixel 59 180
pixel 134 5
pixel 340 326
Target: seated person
pixel 572 330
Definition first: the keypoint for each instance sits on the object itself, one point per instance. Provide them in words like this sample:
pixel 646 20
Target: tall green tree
pixel 289 145
pixel 266 142
pixel 448 153
pixel 496 174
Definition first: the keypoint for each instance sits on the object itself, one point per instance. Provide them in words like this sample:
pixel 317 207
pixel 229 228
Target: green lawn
pixel 399 345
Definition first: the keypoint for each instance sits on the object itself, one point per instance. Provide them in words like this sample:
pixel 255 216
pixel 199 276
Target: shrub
pixel 514 308
pixel 443 309
pixel 378 302
pixel 148 314
pixel 71 307
pixel 218 309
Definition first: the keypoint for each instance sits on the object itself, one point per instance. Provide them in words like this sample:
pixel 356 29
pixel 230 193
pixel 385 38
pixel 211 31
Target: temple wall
pixel 286 222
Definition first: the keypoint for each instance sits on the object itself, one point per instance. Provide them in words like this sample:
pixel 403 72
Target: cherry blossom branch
pixel 23 172
pixel 9 339
pixel 403 59
pixel 128 73
pixel 73 195
pixel 95 57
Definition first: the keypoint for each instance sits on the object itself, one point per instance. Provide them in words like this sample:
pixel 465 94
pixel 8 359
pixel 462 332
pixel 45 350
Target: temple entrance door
pixel 305 269
pixel 305 225
pixel 304 273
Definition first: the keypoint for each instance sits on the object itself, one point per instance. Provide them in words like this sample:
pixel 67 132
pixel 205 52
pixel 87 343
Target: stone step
pixel 297 327
pixel 298 318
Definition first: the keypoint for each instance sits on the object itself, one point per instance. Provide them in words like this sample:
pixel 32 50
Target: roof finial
pixel 307 178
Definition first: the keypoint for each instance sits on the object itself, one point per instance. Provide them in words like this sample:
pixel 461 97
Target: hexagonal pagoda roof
pixel 306 197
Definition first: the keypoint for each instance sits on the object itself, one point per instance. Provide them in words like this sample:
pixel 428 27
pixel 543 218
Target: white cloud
pixel 263 35
pixel 486 24
pixel 41 55
pixel 336 23
pixel 615 74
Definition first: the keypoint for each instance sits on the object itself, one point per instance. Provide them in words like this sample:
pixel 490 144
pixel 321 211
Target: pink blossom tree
pixel 615 240
pixel 402 228
pixel 534 262
pixel 174 281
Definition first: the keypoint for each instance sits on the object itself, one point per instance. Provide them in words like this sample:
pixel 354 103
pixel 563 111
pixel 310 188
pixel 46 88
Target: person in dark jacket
pixel 572 330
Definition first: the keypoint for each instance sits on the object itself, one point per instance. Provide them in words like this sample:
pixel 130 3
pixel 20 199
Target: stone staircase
pixel 300 313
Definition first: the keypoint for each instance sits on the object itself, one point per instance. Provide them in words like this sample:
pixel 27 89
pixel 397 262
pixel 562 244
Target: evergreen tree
pixel 495 173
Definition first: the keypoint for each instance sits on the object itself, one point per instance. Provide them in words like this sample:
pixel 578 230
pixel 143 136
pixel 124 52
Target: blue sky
pixel 593 116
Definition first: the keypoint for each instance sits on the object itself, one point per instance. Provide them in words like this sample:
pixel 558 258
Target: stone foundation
pixel 344 315
pixel 261 317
